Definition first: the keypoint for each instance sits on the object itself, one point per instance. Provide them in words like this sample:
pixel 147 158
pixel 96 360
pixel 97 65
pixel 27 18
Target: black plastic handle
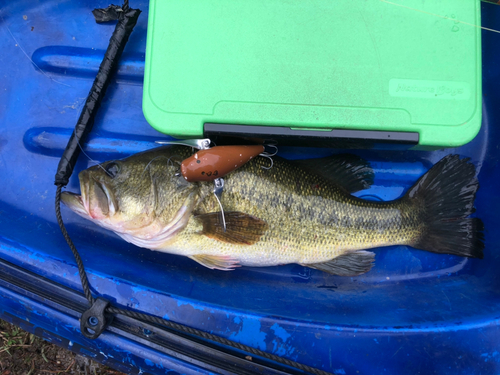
pixel 127 19
pixel 95 320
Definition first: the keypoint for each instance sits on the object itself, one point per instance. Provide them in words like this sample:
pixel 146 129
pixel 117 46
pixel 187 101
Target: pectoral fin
pixel 353 263
pixel 216 262
pixel 241 229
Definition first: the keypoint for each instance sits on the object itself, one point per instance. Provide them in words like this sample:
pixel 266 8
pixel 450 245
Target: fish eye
pixel 112 169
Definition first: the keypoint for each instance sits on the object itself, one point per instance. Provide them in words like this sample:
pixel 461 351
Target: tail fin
pixel 446 194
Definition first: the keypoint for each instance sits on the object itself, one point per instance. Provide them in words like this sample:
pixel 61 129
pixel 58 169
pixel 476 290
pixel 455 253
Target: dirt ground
pixel 22 353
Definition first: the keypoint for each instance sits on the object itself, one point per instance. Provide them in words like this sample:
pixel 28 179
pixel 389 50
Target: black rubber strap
pixel 127 19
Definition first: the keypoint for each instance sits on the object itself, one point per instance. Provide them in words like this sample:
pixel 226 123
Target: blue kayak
pixel 414 312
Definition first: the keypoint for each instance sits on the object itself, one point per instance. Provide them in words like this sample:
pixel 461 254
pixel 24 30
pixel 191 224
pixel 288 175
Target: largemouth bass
pixel 287 214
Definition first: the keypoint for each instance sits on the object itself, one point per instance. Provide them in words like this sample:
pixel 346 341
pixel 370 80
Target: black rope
pixel 79 263
pixel 218 339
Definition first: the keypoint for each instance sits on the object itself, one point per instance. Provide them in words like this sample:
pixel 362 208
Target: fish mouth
pixel 95 202
pixel 75 203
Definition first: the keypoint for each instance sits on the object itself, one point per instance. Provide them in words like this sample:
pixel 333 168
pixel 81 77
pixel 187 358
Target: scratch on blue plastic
pixel 136 289
pixel 190 304
pixel 249 332
pixel 152 364
pixel 280 345
pixel 280 332
pixel 20 249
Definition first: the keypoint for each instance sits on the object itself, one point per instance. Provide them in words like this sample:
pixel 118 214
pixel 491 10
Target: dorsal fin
pixel 351 172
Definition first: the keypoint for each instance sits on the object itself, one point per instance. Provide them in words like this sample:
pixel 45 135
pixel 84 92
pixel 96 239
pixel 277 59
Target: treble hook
pixel 218 188
pixel 269 156
pixel 271 145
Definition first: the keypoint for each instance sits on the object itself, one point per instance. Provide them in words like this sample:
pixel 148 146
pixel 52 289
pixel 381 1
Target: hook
pixel 275 152
pixel 269 155
pixel 218 188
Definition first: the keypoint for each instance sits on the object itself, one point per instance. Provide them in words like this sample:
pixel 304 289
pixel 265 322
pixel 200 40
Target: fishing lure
pixel 216 162
pixel 213 163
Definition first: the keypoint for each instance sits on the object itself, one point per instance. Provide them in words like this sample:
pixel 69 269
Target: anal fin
pixel 216 262
pixel 353 263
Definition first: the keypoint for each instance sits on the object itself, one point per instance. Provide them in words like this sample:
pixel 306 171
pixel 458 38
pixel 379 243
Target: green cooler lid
pixel 404 66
